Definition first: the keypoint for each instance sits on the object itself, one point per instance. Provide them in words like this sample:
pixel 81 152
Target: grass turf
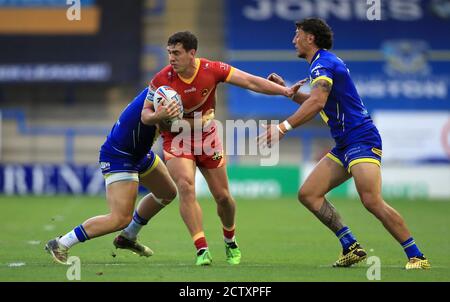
pixel 279 239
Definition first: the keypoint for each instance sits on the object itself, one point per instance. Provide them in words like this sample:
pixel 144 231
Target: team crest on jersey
pixel 217 155
pixel 205 92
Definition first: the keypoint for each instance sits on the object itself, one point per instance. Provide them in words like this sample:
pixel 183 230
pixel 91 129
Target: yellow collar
pixel 197 68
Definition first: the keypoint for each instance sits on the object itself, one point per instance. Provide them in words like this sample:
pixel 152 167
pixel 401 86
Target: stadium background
pixel 63 84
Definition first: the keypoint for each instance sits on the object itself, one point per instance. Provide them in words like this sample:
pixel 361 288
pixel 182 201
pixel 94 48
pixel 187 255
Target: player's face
pixel 179 58
pixel 300 42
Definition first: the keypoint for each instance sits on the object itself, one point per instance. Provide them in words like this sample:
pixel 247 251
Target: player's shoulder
pixel 207 64
pixel 326 59
pixel 164 75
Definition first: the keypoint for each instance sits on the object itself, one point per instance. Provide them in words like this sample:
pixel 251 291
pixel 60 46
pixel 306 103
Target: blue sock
pixel 411 248
pixel 135 226
pixel 139 219
pixel 81 233
pixel 346 237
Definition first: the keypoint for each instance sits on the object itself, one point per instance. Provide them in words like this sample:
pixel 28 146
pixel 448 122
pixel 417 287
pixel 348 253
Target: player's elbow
pixel 146 118
pixel 317 103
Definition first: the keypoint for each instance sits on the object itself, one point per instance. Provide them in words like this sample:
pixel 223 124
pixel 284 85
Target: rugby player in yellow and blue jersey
pixel 358 147
pixel 127 161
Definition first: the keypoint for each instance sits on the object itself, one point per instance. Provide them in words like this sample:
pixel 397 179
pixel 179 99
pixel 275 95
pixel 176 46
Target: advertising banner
pixel 415 136
pixel 70 41
pixel 36 179
pixel 399 62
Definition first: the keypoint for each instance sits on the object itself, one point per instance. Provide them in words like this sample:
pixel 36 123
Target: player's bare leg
pixel 367 178
pixel 121 196
pixel 163 191
pixel 163 188
pixel 327 175
pixel 217 180
pixel 182 171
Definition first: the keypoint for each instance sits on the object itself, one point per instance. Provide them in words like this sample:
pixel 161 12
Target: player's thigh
pixel 121 196
pixel 367 177
pixel 159 182
pixel 217 180
pixel 325 176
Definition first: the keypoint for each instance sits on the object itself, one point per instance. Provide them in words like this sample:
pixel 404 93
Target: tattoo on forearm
pixel 329 216
pixel 322 85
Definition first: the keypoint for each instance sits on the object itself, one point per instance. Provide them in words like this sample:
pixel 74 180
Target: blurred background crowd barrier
pixel 64 82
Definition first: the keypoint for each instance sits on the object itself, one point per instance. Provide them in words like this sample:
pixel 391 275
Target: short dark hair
pixel 320 29
pixel 186 38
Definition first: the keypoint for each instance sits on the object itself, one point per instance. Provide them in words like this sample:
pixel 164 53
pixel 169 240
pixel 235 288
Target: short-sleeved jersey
pixel 129 136
pixel 344 111
pixel 197 93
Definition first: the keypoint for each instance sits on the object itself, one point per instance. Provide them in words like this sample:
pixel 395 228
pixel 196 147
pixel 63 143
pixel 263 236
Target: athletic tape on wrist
pixel 287 126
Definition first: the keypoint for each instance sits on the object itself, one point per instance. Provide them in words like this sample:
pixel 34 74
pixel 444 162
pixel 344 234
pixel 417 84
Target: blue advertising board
pixel 51 179
pixel 399 62
pixel 270 24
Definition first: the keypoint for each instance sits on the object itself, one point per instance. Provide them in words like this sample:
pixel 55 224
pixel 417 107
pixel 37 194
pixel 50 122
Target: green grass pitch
pixel 279 239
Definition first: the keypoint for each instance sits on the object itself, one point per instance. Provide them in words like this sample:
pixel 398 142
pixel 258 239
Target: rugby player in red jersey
pixel 196 79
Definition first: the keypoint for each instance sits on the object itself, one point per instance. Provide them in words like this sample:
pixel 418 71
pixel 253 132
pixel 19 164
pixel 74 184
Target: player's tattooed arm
pixel 312 105
pixel 323 85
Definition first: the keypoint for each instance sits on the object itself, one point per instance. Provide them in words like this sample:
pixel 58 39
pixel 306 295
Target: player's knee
pixel 372 202
pixel 169 195
pixel 223 198
pixel 305 196
pixel 121 221
pixel 309 199
pixel 186 189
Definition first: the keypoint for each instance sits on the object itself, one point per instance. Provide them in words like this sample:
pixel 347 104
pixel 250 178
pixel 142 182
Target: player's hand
pixel 273 77
pixel 168 111
pixel 271 136
pixel 291 91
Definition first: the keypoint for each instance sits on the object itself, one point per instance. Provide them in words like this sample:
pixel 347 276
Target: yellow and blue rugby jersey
pixel 344 111
pixel 129 136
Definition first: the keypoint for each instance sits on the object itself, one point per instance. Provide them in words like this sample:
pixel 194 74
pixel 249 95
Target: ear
pixel 192 52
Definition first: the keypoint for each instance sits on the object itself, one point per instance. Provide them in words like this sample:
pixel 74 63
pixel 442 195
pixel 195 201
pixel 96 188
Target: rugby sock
pixel 411 248
pixel 75 236
pixel 200 242
pixel 131 231
pixel 346 237
pixel 228 234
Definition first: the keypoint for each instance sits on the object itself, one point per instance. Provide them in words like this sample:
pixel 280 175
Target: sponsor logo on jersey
pixel 105 165
pixel 205 91
pixel 190 90
pixel 377 151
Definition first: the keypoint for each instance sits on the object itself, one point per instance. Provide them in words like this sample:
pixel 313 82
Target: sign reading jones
pixel 412 19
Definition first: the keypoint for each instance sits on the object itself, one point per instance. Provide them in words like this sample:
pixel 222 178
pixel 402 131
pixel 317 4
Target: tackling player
pixel 358 147
pixel 195 79
pixel 126 162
